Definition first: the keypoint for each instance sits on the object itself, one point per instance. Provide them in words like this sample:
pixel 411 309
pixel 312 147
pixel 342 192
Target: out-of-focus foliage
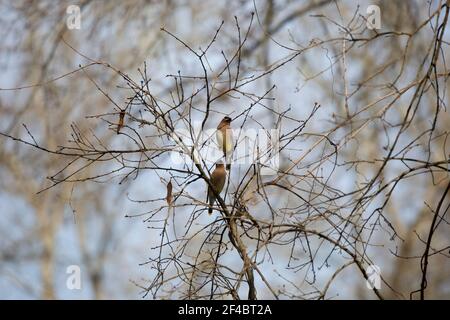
pixel 368 172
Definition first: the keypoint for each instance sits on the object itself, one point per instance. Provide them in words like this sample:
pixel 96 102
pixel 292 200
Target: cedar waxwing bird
pixel 218 181
pixel 224 136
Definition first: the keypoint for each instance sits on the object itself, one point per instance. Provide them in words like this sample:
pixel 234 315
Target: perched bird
pixel 224 136
pixel 218 181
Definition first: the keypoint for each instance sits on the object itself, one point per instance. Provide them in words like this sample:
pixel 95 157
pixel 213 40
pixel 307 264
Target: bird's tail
pixel 227 158
pixel 210 199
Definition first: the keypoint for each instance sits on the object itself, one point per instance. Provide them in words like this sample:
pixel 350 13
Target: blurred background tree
pixel 369 170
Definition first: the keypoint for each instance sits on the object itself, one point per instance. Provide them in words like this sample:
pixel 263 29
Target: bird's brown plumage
pixel 224 137
pixel 218 178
